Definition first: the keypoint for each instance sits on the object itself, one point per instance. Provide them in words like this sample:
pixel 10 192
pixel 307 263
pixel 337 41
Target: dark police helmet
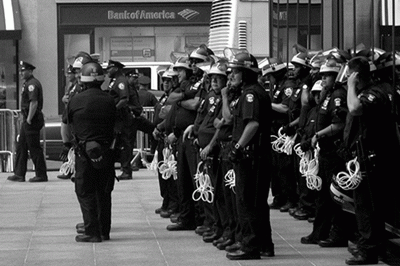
pixel 92 72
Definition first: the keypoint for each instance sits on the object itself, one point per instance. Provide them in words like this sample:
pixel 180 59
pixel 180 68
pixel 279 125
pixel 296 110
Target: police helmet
pixel 342 197
pixel 80 59
pixel 182 62
pixel 220 68
pixel 273 66
pixel 386 60
pixel 92 72
pixel 201 53
pixel 169 73
pixel 330 66
pixel 317 87
pixel 241 59
pixel 301 59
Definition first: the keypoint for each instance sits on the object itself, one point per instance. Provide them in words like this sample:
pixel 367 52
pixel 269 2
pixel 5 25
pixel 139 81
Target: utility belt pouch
pixel 96 154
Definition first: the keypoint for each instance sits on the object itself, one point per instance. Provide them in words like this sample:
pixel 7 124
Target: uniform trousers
pixel 29 140
pixel 168 187
pixel 227 208
pixel 93 188
pixel 191 212
pixel 330 220
pixel 372 204
pixel 277 172
pixel 252 189
pixel 127 139
pixel 211 218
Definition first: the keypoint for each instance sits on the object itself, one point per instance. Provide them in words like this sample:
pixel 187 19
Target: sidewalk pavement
pixel 38 228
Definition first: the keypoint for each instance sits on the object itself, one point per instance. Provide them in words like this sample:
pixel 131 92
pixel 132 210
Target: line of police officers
pixel 344 106
pixel 216 113
pixel 351 111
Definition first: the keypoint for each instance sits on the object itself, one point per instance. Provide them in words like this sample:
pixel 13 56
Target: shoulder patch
pixel 211 100
pixel 337 101
pixel 250 97
pixel 31 88
pixel 121 86
pixel 371 97
pixel 288 92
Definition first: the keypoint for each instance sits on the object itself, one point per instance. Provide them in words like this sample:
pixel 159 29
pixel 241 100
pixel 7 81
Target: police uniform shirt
pixel 92 114
pixel 119 88
pixel 183 116
pixel 31 91
pixel 253 105
pixel 332 110
pixel 206 129
pixel 225 132
pixel 133 103
pixel 309 125
pixel 157 108
pixel 146 98
pixel 281 94
pixel 292 101
pixel 375 126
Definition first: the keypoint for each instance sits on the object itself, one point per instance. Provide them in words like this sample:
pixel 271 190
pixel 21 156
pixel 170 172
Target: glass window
pixel 8 75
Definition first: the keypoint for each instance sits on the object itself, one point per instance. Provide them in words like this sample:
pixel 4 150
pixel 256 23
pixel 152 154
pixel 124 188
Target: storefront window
pixel 8 75
pixel 147 44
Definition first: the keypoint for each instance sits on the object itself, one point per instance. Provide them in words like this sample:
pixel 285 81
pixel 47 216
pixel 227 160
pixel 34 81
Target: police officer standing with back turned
pixel 33 121
pixel 118 88
pixel 91 115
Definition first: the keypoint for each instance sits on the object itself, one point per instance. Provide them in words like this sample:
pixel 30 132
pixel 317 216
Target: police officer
pixel 146 98
pixel 231 237
pixel 91 114
pixel 370 134
pixel 118 88
pixel 135 108
pixel 183 114
pixel 207 135
pixel 74 88
pixel 33 121
pixel 168 189
pixel 329 225
pixel 280 89
pixel 251 154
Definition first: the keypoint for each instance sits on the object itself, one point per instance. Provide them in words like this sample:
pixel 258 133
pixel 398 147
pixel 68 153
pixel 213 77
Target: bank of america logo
pixel 188 14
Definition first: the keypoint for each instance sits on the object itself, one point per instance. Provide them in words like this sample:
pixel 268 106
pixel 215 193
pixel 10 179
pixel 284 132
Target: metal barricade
pixel 143 141
pixel 9 128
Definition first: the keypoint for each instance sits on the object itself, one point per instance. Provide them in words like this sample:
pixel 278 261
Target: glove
pixel 288 130
pixel 236 154
pixel 64 153
pixel 305 145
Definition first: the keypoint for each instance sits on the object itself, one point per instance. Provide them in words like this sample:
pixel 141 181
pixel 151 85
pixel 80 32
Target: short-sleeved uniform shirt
pixel 133 103
pixel 118 88
pixel 281 94
pixel 253 105
pixel 146 98
pixel 375 126
pixel 31 91
pixel 157 108
pixel 294 101
pixel 184 117
pixel 206 130
pixel 332 110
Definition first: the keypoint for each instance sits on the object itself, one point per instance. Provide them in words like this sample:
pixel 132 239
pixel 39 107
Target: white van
pixel 153 70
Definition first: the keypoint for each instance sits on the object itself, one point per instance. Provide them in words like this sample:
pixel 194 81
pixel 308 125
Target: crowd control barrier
pixel 143 140
pixel 9 129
